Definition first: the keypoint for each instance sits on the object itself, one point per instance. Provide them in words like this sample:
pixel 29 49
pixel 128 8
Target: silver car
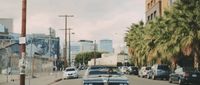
pixel 104 75
pixel 70 72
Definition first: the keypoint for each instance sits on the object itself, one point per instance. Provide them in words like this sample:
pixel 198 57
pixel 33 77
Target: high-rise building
pixel 155 8
pixel 86 45
pixel 75 49
pixel 6 25
pixel 106 45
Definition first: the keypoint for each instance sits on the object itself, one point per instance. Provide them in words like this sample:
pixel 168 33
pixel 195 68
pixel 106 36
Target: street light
pixel 70 45
pixel 65 50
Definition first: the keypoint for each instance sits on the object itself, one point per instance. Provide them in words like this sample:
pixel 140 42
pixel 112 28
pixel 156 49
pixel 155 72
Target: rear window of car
pixel 97 72
pixel 96 67
pixel 71 69
pixel 105 70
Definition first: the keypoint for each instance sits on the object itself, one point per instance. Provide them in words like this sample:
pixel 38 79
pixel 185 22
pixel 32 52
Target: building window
pixel 151 2
pixel 148 18
pixel 154 13
pixel 151 16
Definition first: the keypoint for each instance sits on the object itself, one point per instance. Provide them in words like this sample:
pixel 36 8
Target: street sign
pixel 22 40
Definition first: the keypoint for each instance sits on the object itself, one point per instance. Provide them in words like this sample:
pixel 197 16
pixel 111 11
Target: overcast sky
pixel 93 19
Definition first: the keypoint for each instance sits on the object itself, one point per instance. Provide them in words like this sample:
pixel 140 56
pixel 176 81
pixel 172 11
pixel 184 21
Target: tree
pixel 84 57
pixel 174 36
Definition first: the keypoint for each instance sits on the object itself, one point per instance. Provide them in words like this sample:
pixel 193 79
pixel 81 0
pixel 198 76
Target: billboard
pixel 45 47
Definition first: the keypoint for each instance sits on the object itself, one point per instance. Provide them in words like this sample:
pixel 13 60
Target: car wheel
pixel 170 80
pixel 143 76
pixel 148 77
pixel 139 75
pixel 153 77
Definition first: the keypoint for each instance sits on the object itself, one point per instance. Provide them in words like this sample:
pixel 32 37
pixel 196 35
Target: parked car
pixel 124 69
pixel 143 71
pixel 161 71
pixel 149 74
pixel 133 70
pixel 70 72
pixel 185 76
pixel 106 75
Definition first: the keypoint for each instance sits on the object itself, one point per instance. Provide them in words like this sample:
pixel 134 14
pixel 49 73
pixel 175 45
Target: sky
pixel 93 19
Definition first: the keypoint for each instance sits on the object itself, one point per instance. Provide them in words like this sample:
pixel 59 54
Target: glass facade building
pixel 106 46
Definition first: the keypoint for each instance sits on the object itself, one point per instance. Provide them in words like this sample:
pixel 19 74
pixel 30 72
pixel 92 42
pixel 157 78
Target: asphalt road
pixel 134 80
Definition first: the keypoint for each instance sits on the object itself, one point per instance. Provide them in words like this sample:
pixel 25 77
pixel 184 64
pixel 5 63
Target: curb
pixel 57 80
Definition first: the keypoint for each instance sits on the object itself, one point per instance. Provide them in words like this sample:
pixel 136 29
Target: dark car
pixel 185 76
pixel 160 71
pixel 134 70
pixel 104 75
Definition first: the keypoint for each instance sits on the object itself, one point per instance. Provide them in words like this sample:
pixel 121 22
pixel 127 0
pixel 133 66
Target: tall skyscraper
pixel 106 45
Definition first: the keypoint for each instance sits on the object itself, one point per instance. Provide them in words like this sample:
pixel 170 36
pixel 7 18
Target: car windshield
pixel 70 69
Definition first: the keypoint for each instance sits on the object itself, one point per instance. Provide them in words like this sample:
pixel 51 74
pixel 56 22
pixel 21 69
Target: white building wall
pixel 106 59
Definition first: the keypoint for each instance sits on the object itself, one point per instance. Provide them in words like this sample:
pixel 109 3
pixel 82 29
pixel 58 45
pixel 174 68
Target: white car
pixel 124 70
pixel 144 71
pixel 70 72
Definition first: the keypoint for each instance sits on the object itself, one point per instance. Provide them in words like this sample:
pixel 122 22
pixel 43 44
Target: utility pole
pixel 69 46
pixel 94 52
pixel 23 45
pixel 65 50
pixel 52 69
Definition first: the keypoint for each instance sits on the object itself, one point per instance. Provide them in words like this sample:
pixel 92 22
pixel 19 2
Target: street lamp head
pixel 66 15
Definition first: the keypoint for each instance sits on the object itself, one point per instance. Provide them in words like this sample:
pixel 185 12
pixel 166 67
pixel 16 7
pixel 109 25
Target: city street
pixel 95 42
pixel 134 80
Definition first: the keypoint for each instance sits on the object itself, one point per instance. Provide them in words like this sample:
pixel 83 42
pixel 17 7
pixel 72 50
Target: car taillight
pixel 186 74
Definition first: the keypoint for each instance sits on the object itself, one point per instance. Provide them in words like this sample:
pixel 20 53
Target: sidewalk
pixel 7 78
pixel 42 79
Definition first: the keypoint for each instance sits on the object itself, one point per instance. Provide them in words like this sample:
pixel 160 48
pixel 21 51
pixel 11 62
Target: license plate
pixel 194 75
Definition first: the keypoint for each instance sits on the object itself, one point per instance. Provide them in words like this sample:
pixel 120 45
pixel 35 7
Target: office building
pixel 86 45
pixel 75 49
pixel 7 23
pixel 106 45
pixel 6 27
